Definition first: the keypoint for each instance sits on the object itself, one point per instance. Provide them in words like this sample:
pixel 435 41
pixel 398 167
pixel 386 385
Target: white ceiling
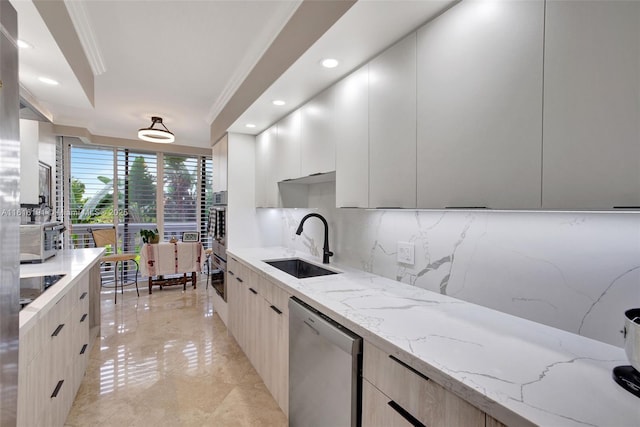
pixel 182 60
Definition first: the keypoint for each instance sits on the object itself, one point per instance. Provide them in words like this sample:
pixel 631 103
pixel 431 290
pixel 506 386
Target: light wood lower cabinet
pixel 259 321
pixel 414 395
pixel 376 409
pixel 53 358
pixel 492 422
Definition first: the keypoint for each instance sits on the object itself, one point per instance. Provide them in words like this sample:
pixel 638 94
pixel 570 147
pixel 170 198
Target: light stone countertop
pixel 518 371
pixel 72 263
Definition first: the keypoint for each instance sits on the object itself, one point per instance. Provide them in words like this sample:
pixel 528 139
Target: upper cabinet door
pixel 592 105
pixel 287 150
pixel 480 106
pixel 352 140
pixel 219 158
pixel 266 182
pixel 317 135
pixel 392 126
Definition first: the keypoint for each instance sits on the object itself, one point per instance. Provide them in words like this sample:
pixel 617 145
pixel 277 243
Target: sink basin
pixel 299 268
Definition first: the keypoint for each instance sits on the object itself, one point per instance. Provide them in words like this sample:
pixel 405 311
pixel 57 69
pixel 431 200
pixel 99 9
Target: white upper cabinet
pixel 317 135
pixel 287 148
pixel 352 140
pixel 266 182
pixel 219 160
pixel 480 106
pixel 592 105
pixel 392 126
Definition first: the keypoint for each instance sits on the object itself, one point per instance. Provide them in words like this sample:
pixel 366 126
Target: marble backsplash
pixel 577 271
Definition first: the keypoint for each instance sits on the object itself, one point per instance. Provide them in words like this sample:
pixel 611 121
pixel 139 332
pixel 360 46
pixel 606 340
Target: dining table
pixel 172 263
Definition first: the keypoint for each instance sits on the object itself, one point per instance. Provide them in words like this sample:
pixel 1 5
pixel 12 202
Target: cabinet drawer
pixel 422 398
pixel 275 296
pixel 377 411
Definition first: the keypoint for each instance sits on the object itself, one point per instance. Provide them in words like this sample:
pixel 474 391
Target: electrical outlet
pixel 406 253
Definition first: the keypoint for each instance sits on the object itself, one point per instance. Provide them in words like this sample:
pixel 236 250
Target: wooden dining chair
pixel 107 237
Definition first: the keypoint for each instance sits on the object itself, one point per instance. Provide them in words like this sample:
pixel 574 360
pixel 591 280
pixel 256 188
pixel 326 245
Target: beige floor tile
pixel 166 359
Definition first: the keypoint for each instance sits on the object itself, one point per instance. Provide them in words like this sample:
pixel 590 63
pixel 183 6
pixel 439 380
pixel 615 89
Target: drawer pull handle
pixel 231 273
pixel 57 331
pixel 254 291
pixel 466 207
pixel 57 389
pixel 626 207
pixel 239 280
pixel 404 414
pixel 84 294
pixel 274 308
pixel 84 348
pixel 418 373
pixel 84 316
pixel 234 259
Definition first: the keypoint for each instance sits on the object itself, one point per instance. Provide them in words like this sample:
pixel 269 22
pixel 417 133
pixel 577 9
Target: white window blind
pixel 180 195
pixel 206 196
pixel 137 186
pixel 136 178
pixel 91 192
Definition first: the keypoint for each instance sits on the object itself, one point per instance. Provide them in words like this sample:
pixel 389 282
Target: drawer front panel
pixel 422 398
pixel 376 411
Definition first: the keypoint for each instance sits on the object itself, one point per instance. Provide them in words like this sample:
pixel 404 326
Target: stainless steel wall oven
pixel 217 231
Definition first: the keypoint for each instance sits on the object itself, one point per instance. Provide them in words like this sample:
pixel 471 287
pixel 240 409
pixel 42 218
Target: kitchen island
pixel 515 371
pixel 57 330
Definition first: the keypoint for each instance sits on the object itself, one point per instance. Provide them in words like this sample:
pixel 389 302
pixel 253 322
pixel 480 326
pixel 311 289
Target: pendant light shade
pixel 156 134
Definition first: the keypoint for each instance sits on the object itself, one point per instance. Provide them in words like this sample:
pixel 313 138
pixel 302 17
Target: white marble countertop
pixel 72 263
pixel 518 371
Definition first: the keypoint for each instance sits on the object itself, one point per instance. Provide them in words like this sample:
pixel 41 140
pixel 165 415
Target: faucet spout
pixel 326 253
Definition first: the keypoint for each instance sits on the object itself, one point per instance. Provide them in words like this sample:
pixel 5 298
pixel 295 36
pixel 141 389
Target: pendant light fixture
pixel 152 134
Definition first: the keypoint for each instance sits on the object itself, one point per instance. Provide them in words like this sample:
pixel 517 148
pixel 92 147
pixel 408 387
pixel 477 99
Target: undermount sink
pixel 299 268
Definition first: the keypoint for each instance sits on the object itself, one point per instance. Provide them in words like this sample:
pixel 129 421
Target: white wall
pixel 577 271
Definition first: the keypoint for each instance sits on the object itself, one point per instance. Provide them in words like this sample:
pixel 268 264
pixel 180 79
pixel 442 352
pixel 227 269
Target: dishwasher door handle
pixel 312 328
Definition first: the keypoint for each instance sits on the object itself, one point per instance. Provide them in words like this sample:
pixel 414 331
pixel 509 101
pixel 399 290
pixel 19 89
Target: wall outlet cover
pixel 406 253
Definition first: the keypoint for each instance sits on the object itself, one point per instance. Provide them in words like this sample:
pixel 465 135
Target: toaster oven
pixel 39 242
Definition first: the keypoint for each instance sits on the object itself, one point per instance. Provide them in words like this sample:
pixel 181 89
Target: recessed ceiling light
pixel 24 45
pixel 329 63
pixel 278 102
pixel 48 81
pixel 250 125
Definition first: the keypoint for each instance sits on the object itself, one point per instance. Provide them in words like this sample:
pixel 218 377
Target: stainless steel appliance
pixel 629 376
pixel 32 287
pixel 325 370
pixel 39 242
pixel 9 224
pixel 217 230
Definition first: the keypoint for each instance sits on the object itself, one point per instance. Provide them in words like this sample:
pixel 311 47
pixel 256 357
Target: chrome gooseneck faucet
pixel 326 252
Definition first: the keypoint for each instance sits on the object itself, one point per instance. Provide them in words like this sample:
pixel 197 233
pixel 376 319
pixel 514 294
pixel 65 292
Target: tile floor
pixel 166 360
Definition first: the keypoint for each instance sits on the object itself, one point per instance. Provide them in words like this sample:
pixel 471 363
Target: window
pixel 152 190
pixel 137 187
pixel 180 195
pixel 90 193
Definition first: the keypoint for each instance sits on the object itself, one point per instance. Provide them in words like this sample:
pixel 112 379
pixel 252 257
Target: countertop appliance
pixel 32 287
pixel 39 242
pixel 325 370
pixel 629 376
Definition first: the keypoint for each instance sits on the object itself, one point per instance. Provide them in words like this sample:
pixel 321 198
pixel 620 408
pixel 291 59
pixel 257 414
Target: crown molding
pixel 84 29
pixel 251 58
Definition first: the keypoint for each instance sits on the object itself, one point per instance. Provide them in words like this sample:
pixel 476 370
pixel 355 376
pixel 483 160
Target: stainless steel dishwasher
pixel 325 370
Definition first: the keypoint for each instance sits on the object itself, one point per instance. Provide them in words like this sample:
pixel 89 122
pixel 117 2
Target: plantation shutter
pixel 180 195
pixel 91 189
pixel 137 186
